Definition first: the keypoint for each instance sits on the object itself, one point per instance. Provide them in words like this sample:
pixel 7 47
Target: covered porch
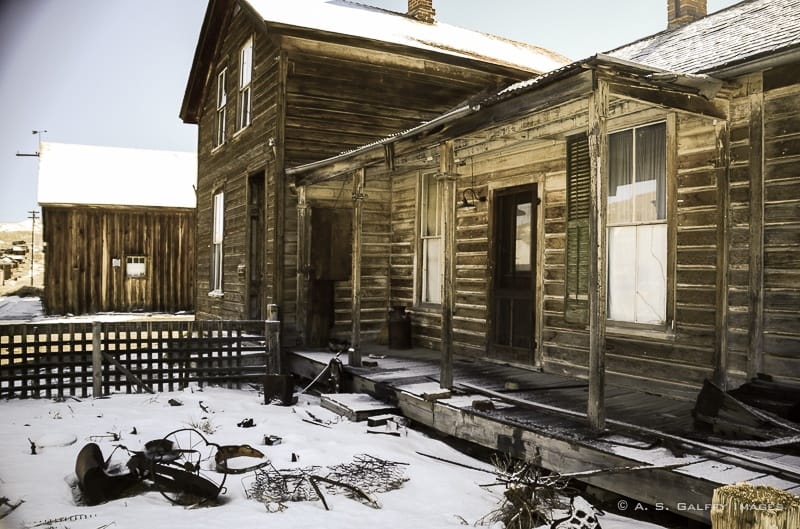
pixel 649 451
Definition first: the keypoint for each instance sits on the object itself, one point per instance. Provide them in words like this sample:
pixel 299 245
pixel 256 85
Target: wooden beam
pixel 598 153
pixel 660 96
pixel 447 179
pixel 354 354
pixel 755 352
pixel 97 359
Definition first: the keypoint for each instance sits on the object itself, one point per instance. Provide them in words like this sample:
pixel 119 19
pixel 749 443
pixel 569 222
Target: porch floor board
pixel 557 441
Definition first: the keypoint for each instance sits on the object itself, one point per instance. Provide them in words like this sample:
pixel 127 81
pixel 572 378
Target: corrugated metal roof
pixel 746 30
pixel 358 20
pixel 89 174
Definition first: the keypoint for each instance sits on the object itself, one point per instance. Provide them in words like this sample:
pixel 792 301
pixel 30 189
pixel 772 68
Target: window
pixel 216 243
pixel 136 266
pixel 431 238
pixel 222 102
pixel 637 225
pixel 245 76
pixel 576 303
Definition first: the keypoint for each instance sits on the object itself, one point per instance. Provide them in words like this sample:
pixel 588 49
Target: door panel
pixel 255 280
pixel 514 221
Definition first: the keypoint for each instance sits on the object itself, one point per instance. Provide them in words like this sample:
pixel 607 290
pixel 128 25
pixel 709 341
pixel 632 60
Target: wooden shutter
pixel 576 304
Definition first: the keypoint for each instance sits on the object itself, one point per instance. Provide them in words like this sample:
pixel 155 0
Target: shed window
pixel 637 225
pixel 216 243
pixel 136 266
pixel 431 240
pixel 576 304
pixel 222 104
pixel 245 77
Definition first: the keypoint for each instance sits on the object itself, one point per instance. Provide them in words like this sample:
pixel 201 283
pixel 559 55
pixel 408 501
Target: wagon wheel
pixel 186 477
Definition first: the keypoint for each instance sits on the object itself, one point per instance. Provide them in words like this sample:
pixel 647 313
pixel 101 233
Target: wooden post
pixel 447 178
pixel 272 329
pixel 303 262
pixel 278 248
pixel 723 249
pixel 744 506
pixel 97 360
pixel 354 354
pixel 598 149
pixel 755 293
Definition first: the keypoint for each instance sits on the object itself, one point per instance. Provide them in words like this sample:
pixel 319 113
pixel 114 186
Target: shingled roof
pixel 741 33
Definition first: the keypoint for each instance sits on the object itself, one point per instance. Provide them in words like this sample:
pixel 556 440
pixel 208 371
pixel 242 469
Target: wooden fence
pixel 57 360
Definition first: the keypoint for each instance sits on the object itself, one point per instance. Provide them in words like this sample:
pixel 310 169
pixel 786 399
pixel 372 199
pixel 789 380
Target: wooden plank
pixel 354 353
pixel 447 179
pixel 356 406
pixel 723 249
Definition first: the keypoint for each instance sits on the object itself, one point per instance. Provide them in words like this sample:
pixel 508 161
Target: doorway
pixel 256 297
pixel 513 278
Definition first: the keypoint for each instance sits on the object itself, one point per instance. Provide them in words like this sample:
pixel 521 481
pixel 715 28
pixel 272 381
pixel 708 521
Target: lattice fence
pixel 55 360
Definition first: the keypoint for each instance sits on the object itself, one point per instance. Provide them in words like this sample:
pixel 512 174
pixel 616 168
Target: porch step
pixel 355 406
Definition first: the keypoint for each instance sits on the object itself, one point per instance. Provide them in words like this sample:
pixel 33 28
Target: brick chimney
pixel 682 12
pixel 422 10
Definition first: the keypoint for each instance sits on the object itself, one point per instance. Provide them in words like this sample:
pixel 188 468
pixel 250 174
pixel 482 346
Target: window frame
pixel 425 240
pixel 135 259
pixel 635 224
pixel 217 270
pixel 245 92
pixel 220 132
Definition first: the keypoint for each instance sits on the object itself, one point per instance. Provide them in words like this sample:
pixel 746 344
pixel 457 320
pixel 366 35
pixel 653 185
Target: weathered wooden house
pixel 118 228
pixel 278 84
pixel 631 217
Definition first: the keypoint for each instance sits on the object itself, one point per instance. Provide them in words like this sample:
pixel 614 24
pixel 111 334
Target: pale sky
pixel 113 72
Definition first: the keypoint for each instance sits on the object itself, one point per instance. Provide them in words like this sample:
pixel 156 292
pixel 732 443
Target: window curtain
pixel 651 163
pixel 620 177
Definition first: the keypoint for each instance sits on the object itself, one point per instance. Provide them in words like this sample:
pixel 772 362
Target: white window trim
pixel 220 131
pixel 244 114
pixel 217 244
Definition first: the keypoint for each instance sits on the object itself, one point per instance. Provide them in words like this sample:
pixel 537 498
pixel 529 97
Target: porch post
pixel 598 149
pixel 354 354
pixel 303 261
pixel 447 177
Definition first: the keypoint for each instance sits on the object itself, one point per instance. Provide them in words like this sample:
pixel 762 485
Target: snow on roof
pixel 89 174
pixel 353 19
pixel 744 31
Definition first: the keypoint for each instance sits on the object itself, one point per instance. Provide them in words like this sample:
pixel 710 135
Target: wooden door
pixel 256 296
pixel 514 251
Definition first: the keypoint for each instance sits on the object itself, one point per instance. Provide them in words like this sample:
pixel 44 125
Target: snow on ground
pixel 437 494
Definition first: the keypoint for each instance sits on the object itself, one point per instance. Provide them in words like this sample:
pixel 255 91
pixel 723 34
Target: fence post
pixel 97 360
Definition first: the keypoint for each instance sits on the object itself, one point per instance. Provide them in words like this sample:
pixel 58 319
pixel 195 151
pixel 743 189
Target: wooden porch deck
pixel 682 479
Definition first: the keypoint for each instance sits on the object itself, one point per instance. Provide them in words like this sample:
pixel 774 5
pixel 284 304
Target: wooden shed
pixel 118 228
pixel 630 218
pixel 277 84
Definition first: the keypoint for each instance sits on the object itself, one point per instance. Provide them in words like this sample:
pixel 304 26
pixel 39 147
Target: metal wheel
pixel 184 474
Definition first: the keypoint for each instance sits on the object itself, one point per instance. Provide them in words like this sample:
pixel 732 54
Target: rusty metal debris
pixel 360 479
pixel 177 465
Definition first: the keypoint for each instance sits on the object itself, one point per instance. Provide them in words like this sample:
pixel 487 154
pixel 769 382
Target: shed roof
pixel 95 175
pixel 741 33
pixel 359 20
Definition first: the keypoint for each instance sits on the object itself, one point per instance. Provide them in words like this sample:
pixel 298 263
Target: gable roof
pixel 93 175
pixel 343 19
pixel 741 33
pixel 352 19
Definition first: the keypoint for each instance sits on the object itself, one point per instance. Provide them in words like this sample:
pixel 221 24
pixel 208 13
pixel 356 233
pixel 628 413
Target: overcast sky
pixel 112 72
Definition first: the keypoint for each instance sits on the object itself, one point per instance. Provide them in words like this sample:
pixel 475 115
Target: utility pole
pixel 33 217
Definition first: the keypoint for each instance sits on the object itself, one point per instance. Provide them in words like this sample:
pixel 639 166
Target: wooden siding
pixel 781 218
pixel 227 168
pixel 84 242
